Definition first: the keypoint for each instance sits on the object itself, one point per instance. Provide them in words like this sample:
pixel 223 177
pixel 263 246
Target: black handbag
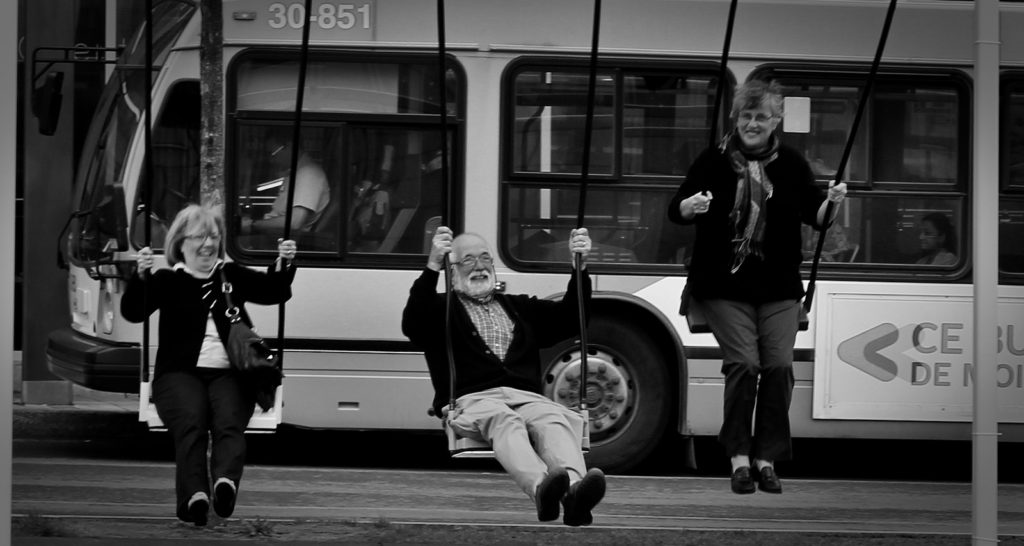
pixel 246 350
pixel 694 312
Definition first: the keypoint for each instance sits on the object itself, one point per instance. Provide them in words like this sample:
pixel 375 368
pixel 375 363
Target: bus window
pixel 386 87
pixel 367 190
pixel 665 122
pixel 1012 125
pixel 894 230
pixel 395 190
pixel 262 170
pixel 664 119
pixel 628 231
pixel 368 181
pixel 832 111
pixel 916 135
pixel 100 218
pixel 100 224
pixel 906 169
pixel 550 113
pixel 1011 233
pixel 1011 205
pixel 175 140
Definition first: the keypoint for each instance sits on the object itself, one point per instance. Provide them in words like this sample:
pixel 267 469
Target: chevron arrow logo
pixel 862 351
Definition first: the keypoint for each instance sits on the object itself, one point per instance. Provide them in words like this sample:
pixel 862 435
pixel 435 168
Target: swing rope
pixel 585 165
pixel 442 113
pixel 147 166
pixel 847 149
pixel 588 126
pixel 300 93
pixel 722 75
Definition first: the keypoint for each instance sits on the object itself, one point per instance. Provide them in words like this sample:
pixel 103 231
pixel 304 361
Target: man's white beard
pixel 480 288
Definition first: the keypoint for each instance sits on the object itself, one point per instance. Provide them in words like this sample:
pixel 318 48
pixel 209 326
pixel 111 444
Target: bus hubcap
pixel 607 389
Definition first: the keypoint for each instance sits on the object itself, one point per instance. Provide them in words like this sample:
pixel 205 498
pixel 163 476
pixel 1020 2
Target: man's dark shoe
pixel 549 492
pixel 582 497
pixel 224 498
pixel 768 481
pixel 742 482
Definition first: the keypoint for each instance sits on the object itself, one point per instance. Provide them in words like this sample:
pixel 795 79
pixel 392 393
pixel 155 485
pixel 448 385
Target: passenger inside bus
pixel 311 196
pixel 495 342
pixel 938 240
pixel 369 216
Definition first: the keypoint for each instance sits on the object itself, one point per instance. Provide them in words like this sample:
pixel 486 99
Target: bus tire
pixel 628 391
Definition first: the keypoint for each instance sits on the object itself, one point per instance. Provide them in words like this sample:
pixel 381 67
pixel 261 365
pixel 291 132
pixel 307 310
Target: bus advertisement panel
pixel 898 352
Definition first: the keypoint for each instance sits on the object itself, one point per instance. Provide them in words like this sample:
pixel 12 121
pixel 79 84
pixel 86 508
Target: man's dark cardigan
pixel 538 323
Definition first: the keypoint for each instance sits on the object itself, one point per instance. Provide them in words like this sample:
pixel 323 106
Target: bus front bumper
pixel 93 363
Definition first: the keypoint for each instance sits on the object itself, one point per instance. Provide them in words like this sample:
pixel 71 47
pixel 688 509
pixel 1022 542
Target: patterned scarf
pixel 753 189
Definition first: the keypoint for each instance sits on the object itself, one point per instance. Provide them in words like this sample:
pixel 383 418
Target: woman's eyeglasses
pixel 760 118
pixel 202 237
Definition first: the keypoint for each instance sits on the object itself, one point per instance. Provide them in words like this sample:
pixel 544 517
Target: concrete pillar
pixel 48 172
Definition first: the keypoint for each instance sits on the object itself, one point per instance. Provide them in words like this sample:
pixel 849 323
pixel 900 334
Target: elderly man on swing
pixel 496 340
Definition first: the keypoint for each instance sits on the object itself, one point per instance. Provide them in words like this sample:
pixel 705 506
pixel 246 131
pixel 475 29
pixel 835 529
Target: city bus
pixel 888 350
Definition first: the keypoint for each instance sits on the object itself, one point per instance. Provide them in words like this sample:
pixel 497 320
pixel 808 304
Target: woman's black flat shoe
pixel 741 481
pixel 768 481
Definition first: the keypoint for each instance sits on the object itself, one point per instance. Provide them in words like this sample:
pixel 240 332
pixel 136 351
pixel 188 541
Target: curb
pixel 38 422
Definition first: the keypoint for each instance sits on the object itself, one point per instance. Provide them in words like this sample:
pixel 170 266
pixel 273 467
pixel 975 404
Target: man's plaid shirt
pixel 491 321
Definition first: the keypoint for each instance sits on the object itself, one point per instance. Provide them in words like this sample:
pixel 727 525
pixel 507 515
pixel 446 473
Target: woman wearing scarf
pixel 748 197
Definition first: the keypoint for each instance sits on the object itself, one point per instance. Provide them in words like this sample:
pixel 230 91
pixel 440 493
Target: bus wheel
pixel 627 391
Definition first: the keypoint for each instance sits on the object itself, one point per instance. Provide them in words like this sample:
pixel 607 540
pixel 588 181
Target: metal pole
pixel 8 158
pixel 985 182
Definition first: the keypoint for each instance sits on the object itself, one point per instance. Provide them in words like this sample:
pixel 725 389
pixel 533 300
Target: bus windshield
pixel 99 222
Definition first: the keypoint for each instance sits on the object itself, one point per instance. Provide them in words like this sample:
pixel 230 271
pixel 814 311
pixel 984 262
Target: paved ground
pixel 125 501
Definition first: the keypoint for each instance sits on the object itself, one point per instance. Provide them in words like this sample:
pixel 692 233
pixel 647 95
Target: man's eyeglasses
pixel 471 261
pixel 202 237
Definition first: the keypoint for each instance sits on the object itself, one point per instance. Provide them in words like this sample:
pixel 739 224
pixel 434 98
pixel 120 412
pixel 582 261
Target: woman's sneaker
pixel 198 506
pixel 224 494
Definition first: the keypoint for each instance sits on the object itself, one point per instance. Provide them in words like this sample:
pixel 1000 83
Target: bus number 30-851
pixel 327 16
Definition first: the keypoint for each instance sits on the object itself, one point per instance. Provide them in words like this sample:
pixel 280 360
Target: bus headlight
pixel 106 311
pixel 73 292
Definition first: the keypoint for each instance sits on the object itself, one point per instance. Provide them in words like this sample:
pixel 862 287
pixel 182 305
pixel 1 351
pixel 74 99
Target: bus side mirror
pixel 46 102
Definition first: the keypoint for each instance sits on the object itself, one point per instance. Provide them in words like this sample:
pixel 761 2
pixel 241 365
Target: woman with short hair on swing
pixel 748 197
pixel 198 395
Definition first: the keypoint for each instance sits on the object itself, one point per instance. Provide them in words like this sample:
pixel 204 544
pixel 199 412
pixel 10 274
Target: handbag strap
pixel 232 312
